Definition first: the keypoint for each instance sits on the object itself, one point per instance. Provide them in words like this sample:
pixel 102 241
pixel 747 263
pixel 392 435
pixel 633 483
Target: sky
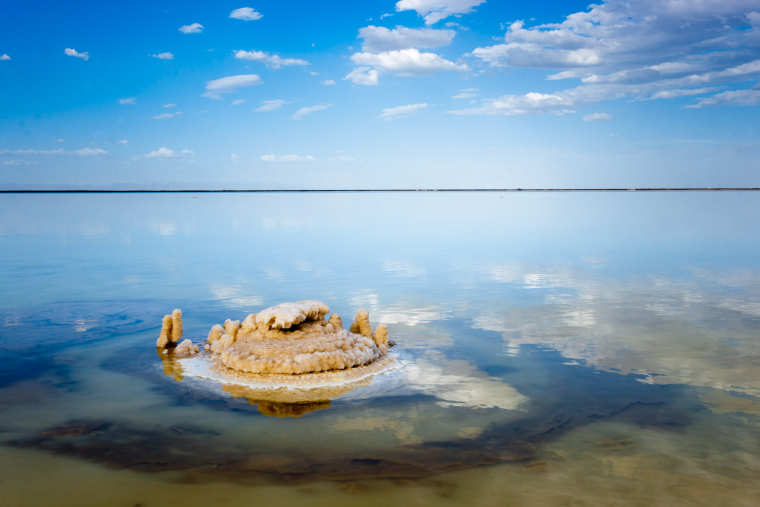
pixel 402 94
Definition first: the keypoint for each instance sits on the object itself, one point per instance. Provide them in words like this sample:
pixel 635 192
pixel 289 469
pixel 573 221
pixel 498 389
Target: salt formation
pixel 294 338
pixel 171 334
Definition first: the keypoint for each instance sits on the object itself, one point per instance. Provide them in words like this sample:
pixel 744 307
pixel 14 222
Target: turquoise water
pixel 554 349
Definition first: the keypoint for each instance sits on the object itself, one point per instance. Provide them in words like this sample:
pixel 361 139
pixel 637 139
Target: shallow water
pixel 553 349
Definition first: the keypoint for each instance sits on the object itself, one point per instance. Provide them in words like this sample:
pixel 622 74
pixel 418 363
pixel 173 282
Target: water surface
pixel 553 349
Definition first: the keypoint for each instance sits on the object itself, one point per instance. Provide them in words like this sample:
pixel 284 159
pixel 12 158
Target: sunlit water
pixel 553 349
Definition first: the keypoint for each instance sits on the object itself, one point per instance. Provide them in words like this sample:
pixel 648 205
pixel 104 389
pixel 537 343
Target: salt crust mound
pixel 294 338
pixel 171 334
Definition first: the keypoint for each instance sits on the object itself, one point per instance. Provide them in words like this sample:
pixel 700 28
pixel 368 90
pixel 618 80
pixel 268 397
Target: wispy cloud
pixel 164 152
pixel 127 101
pixel 191 28
pixel 270 105
pixel 309 110
pixel 597 117
pixel 273 61
pixel 217 87
pixel 76 54
pixel 169 106
pixel 328 82
pixel 467 93
pixel 271 157
pixel 167 116
pixel 82 152
pixel 4 57
pixel 246 14
pixel 166 55
pixel 391 113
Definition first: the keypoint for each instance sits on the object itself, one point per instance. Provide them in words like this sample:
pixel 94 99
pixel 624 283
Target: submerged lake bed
pixel 552 348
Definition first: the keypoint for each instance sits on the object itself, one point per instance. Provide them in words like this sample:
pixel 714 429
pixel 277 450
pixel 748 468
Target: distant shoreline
pixel 372 190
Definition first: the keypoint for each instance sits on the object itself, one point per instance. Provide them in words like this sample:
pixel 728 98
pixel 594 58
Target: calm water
pixel 553 349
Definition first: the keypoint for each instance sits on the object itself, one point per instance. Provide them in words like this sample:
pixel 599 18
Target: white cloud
pixel 191 28
pixel 237 102
pixel 234 156
pixel 733 98
pixel 123 141
pixel 405 62
pixel 366 76
pixel 126 101
pixel 310 109
pixel 390 113
pixel 216 87
pixel 76 54
pixel 328 82
pixel 270 105
pixel 681 92
pixel 271 157
pixel 467 93
pixel 169 106
pixel 642 50
pixel 401 62
pixel 164 152
pixel 82 152
pixel 88 152
pixel 4 57
pixel 246 14
pixel 436 10
pixel 166 116
pixel 379 38
pixel 511 105
pixel 597 117
pixel 273 61
pixel 166 55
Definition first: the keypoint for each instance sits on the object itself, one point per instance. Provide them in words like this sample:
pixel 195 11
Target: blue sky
pixel 273 94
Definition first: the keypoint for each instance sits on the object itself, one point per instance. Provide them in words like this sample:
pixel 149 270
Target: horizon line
pixel 368 190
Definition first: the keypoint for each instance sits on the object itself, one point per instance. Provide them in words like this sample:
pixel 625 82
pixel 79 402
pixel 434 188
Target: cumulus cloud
pixel 271 157
pixel 191 28
pixel 166 55
pixel 127 100
pixel 366 76
pixel 246 14
pixel 390 113
pixel 378 39
pixel 642 50
pixel 164 152
pixel 4 57
pixel 76 54
pixel 273 61
pixel 310 109
pixel 401 62
pixel 436 10
pixel 532 102
pixel 597 117
pixel 405 62
pixel 270 105
pixel 217 87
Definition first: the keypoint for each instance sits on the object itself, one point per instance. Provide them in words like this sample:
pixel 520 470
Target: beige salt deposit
pixel 294 338
pixel 171 334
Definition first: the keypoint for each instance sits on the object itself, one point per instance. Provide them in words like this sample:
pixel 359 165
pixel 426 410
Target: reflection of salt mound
pixel 295 338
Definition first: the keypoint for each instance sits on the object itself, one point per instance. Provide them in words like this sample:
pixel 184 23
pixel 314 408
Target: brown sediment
pixel 202 458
